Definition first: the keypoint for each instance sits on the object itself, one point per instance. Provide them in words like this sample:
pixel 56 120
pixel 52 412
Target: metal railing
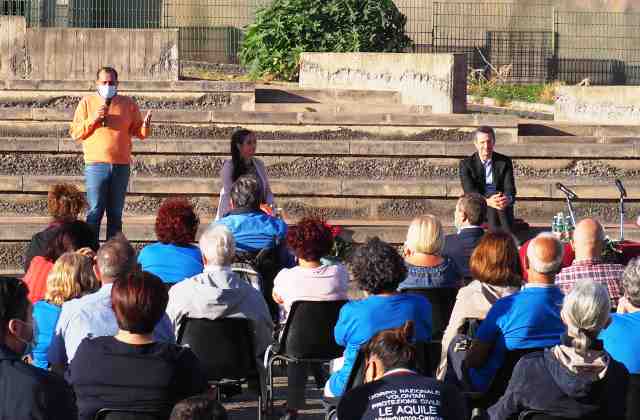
pixel 537 42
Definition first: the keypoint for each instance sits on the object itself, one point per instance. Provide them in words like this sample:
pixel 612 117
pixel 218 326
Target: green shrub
pixel 286 28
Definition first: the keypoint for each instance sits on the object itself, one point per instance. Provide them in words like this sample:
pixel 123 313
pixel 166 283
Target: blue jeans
pixel 106 186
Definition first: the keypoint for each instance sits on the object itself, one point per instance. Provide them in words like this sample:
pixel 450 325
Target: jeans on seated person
pixel 106 186
pixel 456 373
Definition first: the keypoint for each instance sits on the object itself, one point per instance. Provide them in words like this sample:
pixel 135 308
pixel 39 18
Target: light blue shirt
pixel 92 316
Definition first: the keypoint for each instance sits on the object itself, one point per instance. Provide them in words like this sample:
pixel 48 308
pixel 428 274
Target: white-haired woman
pixel 426 267
pixel 220 293
pixel 576 379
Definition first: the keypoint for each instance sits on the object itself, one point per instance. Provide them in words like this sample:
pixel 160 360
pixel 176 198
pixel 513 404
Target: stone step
pixel 404 187
pixel 283 118
pixel 365 209
pixel 453 146
pixel 289 95
pixel 341 108
pixel 549 128
pixel 63 86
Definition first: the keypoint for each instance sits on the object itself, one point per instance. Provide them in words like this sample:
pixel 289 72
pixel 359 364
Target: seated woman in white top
pixel 242 162
pixel 310 240
pixel 495 269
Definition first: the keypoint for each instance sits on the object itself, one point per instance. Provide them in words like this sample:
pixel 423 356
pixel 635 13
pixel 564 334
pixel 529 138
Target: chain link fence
pixel 534 42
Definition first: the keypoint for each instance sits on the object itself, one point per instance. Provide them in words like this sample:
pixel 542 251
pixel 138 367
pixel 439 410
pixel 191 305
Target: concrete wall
pixel 75 54
pixel 598 104
pixel 438 80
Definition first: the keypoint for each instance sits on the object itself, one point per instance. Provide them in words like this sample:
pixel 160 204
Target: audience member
pixel 252 229
pixel 65 202
pixel 93 315
pixel 378 269
pixel 69 236
pixel 27 391
pixel 528 319
pixel 577 378
pixel 243 162
pixel 495 271
pixel 622 337
pixel 71 277
pixel 310 240
pixel 588 242
pixel 426 268
pixel 470 214
pixel 220 293
pixel 199 407
pixel 131 369
pixel 393 389
pixel 174 257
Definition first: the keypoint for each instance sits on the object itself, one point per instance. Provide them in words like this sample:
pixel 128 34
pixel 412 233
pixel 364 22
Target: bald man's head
pixel 588 239
pixel 544 255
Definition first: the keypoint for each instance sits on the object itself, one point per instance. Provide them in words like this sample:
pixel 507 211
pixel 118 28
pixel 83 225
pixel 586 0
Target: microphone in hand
pixel 623 192
pixel 570 194
pixel 107 104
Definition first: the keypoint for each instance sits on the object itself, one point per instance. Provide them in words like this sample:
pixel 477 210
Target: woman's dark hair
pixel 65 202
pixel 237 138
pixel 377 267
pixel 495 260
pixel 139 302
pixel 198 407
pixel 177 222
pixel 14 302
pixel 71 236
pixel 393 347
pixel 310 239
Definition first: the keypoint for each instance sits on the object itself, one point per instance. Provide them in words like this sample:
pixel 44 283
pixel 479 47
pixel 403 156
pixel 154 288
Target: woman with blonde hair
pixel 72 276
pixel 426 267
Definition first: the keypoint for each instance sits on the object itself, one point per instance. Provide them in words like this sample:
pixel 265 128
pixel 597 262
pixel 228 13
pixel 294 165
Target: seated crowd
pixel 101 328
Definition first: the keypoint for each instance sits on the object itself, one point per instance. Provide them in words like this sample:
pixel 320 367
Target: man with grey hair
pixel 622 337
pixel 588 243
pixel 529 319
pixel 219 292
pixel 92 315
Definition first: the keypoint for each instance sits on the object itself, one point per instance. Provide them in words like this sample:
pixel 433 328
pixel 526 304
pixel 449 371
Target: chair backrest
pixel 442 300
pixel 224 346
pixel 356 376
pixel 267 264
pixel 502 377
pixel 308 333
pixel 633 397
pixel 131 414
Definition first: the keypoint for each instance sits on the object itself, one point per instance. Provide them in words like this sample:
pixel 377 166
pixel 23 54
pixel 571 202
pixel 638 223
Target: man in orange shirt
pixel 105 122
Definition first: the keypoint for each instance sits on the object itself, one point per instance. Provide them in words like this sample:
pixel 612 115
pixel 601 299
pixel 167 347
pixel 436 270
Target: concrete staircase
pixel 370 166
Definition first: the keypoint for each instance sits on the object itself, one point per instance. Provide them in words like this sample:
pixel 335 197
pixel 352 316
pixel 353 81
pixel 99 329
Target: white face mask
pixel 107 91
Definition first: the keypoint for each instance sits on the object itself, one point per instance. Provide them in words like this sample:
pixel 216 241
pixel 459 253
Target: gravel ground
pixel 210 101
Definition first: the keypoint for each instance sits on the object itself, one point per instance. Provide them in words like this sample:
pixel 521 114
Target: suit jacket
pixel 472 175
pixel 460 246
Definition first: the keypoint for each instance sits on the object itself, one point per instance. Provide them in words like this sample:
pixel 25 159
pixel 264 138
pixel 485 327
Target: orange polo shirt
pixel 111 143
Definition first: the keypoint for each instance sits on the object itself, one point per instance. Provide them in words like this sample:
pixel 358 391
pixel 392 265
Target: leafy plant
pixel 286 28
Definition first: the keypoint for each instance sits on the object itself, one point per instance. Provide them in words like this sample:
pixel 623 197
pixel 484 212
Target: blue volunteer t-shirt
pixel 46 316
pixel 525 320
pixel 172 263
pixel 621 340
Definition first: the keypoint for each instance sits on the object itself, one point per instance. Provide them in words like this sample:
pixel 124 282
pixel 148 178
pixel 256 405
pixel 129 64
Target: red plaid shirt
pixel 610 275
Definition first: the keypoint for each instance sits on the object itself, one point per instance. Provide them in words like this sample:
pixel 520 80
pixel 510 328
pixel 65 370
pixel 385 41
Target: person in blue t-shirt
pixel 70 277
pixel 529 319
pixel 378 269
pixel 174 257
pixel 621 338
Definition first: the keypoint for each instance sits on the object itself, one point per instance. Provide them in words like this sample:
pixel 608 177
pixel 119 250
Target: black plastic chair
pixel 307 337
pixel 633 397
pixel 131 414
pixel 442 300
pixel 225 349
pixel 267 265
pixel 356 378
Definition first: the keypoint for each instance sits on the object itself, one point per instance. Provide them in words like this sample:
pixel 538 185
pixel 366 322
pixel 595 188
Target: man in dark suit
pixel 490 174
pixel 471 210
